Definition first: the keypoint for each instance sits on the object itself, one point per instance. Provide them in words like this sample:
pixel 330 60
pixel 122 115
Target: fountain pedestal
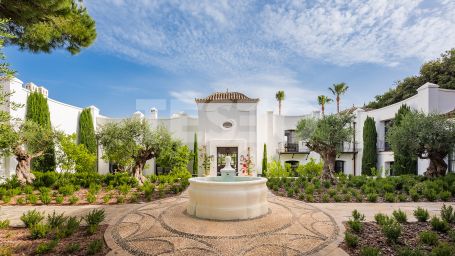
pixel 227 197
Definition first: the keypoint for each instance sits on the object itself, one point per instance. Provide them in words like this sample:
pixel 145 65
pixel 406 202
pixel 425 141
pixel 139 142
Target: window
pixel 227 125
pixel 387 125
pixel 291 141
pixel 339 166
pixel 451 161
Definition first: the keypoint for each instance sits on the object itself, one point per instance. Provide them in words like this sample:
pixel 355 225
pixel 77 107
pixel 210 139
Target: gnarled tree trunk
pixel 23 172
pixel 437 167
pixel 139 165
pixel 328 169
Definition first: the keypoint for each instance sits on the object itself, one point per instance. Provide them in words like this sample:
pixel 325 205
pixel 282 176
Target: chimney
pixel 154 113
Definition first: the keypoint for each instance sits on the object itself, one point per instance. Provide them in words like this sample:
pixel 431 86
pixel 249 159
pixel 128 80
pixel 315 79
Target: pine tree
pixel 38 112
pixel 264 160
pixel 195 155
pixel 369 157
pixel 86 131
pixel 405 162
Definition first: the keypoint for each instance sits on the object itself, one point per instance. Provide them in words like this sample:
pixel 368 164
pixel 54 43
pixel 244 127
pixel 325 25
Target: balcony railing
pixel 347 147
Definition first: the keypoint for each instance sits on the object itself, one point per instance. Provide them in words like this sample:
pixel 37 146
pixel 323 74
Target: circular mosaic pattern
pixel 163 228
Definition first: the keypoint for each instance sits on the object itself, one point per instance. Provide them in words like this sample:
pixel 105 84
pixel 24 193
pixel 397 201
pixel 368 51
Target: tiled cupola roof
pixel 227 97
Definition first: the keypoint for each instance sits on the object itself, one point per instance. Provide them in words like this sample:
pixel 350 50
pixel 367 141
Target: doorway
pixel 221 153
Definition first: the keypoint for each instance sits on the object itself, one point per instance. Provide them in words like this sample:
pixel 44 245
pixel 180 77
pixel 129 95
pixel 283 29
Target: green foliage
pixel 426 136
pixel 310 169
pixel 275 170
pixel 95 188
pixel 91 198
pixel 443 249
pixel 421 214
pixel 390 197
pixel 372 197
pixel 38 112
pixel 195 156
pixel 428 237
pixel 94 218
pixel 70 226
pixel 31 218
pixel 66 190
pixel 400 216
pixel 439 225
pixel 369 251
pixel 440 71
pixel 405 159
pixel 392 231
pixel 406 251
pixel 448 214
pixel 445 195
pixel 95 247
pixel 264 161
pixel 45 198
pixel 46 247
pixel 4 224
pixel 71 248
pixel 59 199
pixel 72 156
pixel 370 156
pixel 31 199
pixel 86 131
pixel 351 239
pixel 382 219
pixel 39 231
pixel 73 199
pixel 55 220
pixel 46 25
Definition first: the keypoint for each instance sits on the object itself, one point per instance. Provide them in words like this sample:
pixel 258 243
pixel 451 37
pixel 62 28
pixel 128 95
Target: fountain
pixel 227 197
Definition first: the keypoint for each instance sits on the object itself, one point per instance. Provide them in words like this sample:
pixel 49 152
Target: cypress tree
pixel 369 157
pixel 405 162
pixel 38 112
pixel 86 131
pixel 264 160
pixel 195 155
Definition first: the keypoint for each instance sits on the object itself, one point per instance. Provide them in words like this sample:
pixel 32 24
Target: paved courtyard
pixel 163 228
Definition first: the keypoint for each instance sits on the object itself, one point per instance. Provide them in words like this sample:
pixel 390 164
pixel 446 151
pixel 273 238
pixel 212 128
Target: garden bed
pixel 409 188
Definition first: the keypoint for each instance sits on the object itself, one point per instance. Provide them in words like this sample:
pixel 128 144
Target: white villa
pixel 228 123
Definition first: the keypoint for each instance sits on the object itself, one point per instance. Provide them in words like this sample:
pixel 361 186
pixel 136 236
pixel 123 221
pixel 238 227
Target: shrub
pixel 351 239
pixel 439 225
pixel 372 197
pixel 4 224
pixel 59 199
pixel 45 198
pixel 406 251
pixel 448 214
pixel 359 197
pixel 443 249
pixel 134 197
pixel 382 219
pixel 71 248
pixel 310 198
pixel 337 198
pixel 93 219
pixel 39 231
pixel 421 214
pixel 69 227
pixel 44 248
pixel 120 199
pixel 355 225
pixel 95 247
pixel 66 190
pixel 428 237
pixel 331 192
pixel 400 216
pixel 430 194
pixel 55 220
pixel 91 198
pixel 73 199
pixel 309 190
pixel 31 218
pixel 356 215
pixel 415 196
pixel 6 199
pixel 325 198
pixel 392 231
pixel 302 196
pixel 5 250
pixel 347 197
pixel 107 198
pixel 20 200
pixel 445 196
pixel 44 190
pixel 369 251
pixel 452 235
pixel 28 190
pixel 402 198
pixel 290 192
pixel 94 188
pixel 390 197
pixel 31 199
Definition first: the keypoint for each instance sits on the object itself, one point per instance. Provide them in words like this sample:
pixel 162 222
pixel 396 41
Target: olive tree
pixel 324 136
pixel 426 136
pixel 131 143
pixel 26 142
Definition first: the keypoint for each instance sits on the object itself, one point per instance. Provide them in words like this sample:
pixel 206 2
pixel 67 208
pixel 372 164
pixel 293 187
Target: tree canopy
pixel 426 136
pixel 72 156
pixel 324 136
pixel 45 25
pixel 369 156
pixel 132 142
pixel 405 161
pixel 440 71
pixel 86 131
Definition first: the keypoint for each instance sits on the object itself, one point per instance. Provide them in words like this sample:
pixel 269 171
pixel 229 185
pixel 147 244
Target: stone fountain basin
pixel 227 198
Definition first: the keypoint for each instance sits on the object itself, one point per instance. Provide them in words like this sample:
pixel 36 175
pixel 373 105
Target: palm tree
pixel 279 97
pixel 338 90
pixel 323 100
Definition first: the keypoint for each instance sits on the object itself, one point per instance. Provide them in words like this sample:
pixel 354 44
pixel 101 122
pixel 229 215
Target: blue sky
pixel 166 53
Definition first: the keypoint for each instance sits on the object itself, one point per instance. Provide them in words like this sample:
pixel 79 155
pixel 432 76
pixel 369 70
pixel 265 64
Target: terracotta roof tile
pixel 227 97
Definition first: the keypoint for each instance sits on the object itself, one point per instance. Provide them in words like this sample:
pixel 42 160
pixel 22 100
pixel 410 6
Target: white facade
pixel 229 123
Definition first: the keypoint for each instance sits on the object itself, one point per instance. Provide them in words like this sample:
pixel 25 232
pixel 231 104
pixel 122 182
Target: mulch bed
pixel 371 235
pixel 19 242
